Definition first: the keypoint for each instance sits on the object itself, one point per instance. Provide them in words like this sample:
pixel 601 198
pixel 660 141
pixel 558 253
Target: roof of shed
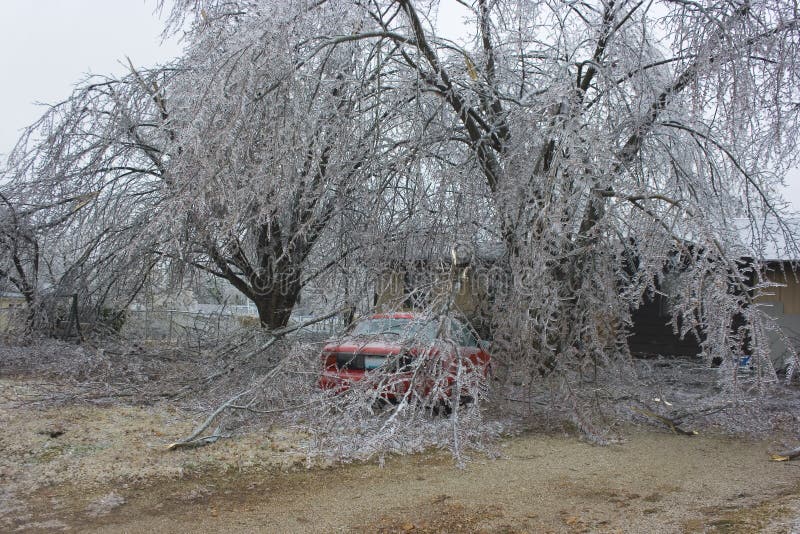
pixel 766 239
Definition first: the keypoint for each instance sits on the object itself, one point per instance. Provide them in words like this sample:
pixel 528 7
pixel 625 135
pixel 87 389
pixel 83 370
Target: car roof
pixel 396 315
pixel 406 315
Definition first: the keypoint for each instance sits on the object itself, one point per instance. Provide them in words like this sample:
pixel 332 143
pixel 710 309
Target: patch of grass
pixel 48 454
pixel 53 452
pixel 744 520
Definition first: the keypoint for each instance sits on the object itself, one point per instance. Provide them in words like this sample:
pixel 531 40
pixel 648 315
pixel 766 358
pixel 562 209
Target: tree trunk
pixel 275 307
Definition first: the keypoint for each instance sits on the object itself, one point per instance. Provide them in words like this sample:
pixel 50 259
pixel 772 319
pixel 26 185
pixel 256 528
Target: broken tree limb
pixel 785 456
pixel 276 410
pixel 195 439
pixel 673 425
pixel 198 442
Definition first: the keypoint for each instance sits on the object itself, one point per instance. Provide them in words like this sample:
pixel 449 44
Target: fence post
pixel 171 318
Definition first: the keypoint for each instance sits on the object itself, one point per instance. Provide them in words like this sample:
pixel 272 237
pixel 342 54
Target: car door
pixel 469 348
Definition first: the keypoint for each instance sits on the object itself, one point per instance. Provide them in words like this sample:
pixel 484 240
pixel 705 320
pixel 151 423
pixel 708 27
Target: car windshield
pixel 406 328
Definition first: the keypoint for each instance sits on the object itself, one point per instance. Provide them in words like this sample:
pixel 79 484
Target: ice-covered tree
pixel 615 142
pixel 602 143
pixel 607 145
pixel 234 160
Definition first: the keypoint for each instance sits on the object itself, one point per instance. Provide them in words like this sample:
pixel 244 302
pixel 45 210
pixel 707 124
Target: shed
pixel 776 250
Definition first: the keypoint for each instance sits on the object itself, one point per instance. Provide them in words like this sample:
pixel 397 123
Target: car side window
pixel 463 335
pixel 470 340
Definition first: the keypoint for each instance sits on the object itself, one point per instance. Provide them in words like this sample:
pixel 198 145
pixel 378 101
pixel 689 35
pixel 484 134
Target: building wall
pixel 783 304
pixel 788 295
pixel 8 307
pixel 394 287
pixel 651 333
pixel 389 292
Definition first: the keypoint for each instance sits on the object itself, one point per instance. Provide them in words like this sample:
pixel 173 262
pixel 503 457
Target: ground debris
pixel 105 504
pixel 785 456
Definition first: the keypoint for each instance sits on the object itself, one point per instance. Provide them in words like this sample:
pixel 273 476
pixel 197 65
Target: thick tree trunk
pixel 275 308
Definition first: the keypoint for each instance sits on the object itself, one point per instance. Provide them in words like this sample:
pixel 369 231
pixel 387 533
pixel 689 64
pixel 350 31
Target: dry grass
pixel 85 431
pixel 105 467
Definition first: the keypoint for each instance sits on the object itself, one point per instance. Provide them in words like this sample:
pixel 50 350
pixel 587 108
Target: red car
pixel 404 351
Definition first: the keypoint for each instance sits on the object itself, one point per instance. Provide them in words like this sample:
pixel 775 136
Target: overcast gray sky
pixel 46 46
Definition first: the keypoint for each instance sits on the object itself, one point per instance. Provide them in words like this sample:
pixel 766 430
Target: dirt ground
pixel 104 468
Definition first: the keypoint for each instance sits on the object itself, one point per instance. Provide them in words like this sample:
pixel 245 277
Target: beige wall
pixel 785 309
pixel 11 302
pixel 7 307
pixel 391 292
pixel 788 295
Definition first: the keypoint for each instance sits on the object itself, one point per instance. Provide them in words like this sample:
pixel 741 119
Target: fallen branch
pixel 227 404
pixel 673 425
pixel 194 439
pixel 205 424
pixel 785 456
pixel 276 410
pixel 198 442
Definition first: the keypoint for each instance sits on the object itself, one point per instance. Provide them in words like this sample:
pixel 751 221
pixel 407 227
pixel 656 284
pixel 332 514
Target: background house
pixel 783 304
pixel 466 277
pixel 419 281
pixel 780 260
pixel 10 303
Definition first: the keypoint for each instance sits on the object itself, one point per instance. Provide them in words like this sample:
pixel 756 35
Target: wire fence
pixel 11 318
pixel 175 327
pixel 181 327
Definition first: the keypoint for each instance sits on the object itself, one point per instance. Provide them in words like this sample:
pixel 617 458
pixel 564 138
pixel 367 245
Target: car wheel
pixel 378 405
pixel 442 408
